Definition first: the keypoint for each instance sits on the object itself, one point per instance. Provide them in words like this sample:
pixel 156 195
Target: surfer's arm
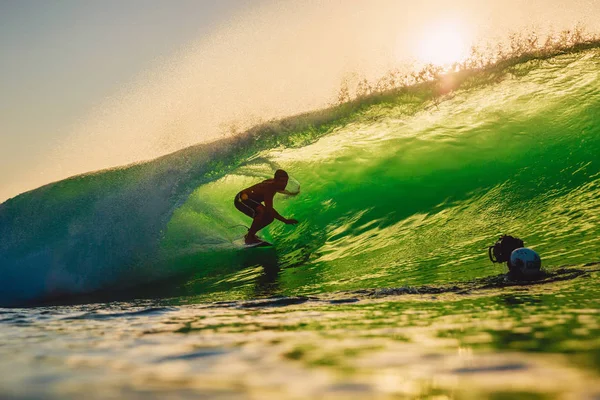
pixel 282 219
pixel 276 215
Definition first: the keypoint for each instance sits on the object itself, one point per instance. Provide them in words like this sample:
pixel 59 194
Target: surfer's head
pixel 281 179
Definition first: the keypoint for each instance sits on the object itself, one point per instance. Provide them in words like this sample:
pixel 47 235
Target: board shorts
pixel 247 206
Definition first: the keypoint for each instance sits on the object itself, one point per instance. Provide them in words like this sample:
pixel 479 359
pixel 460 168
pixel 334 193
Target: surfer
pixel 250 202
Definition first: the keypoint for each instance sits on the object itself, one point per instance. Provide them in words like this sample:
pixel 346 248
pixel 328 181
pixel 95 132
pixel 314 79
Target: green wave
pixel 404 187
pixel 408 192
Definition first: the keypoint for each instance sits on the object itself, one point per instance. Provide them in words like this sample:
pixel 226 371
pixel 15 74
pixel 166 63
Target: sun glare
pixel 442 44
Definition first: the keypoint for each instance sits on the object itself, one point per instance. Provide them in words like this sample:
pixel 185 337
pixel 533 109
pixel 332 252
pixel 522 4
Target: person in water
pixel 250 202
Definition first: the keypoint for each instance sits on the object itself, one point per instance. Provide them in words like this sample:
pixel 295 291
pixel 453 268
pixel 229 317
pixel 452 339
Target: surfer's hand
pixel 288 193
pixel 291 221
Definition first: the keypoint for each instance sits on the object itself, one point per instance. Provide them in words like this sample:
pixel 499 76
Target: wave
pixel 405 186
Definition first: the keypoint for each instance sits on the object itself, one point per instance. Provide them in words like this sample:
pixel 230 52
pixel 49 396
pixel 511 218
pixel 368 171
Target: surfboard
pixel 241 243
pixel 262 243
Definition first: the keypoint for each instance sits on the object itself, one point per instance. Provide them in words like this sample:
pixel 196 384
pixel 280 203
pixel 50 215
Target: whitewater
pixel 402 191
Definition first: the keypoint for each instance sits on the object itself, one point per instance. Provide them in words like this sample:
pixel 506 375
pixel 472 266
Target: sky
pixel 61 58
pixel 86 85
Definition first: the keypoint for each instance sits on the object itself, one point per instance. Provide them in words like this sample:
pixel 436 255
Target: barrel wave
pixel 406 187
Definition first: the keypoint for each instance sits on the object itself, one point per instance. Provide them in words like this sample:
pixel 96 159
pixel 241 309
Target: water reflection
pixel 514 299
pixel 535 341
pixel 266 283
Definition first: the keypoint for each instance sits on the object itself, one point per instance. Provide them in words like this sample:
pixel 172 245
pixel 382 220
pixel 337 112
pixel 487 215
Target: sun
pixel 442 44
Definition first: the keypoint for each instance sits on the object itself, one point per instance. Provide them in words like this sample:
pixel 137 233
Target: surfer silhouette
pixel 250 202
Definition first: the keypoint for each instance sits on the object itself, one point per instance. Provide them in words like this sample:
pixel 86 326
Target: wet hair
pixel 281 174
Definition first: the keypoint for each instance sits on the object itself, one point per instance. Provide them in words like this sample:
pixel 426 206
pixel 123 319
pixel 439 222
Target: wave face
pixel 400 189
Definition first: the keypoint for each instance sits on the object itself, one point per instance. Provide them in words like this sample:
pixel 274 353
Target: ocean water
pixel 131 283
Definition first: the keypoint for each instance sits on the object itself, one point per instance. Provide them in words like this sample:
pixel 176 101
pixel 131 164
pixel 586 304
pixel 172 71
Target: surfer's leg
pixel 261 220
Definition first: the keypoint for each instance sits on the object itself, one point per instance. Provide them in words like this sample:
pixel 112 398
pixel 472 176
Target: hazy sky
pixel 61 58
pixel 88 84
